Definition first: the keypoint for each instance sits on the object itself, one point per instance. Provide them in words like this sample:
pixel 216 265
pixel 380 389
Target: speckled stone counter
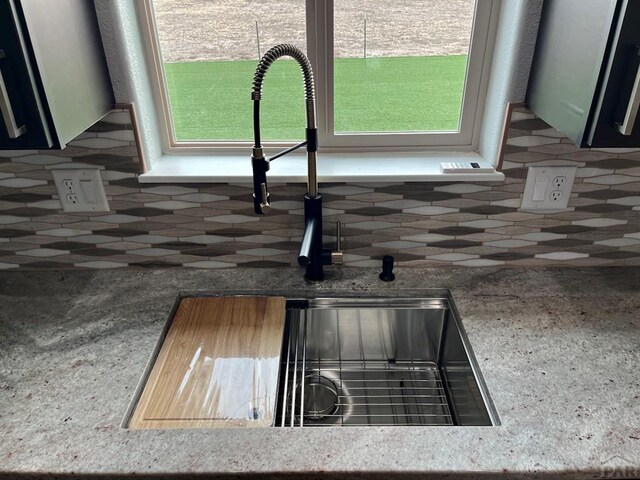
pixel 559 349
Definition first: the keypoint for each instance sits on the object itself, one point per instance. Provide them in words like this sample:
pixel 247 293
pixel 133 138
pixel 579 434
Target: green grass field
pixel 212 100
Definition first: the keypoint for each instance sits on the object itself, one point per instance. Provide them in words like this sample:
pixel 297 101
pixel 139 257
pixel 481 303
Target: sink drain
pixel 320 397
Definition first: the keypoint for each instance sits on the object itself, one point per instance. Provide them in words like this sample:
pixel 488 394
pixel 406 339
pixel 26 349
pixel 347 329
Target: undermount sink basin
pixel 379 362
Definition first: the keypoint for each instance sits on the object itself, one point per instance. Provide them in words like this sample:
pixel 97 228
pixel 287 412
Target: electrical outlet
pixel 555 196
pixel 559 181
pixel 67 183
pixel 80 190
pixel 548 188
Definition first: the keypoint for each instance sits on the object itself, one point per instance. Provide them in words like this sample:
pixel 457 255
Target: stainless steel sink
pixel 379 361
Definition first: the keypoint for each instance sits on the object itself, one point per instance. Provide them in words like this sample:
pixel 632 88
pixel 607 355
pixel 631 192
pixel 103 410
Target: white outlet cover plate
pixel 539 188
pixel 87 189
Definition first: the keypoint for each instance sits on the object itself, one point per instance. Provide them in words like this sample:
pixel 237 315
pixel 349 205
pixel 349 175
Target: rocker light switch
pixel 539 188
pixel 88 189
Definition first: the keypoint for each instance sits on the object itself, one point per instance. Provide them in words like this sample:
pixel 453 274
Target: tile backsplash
pixel 213 225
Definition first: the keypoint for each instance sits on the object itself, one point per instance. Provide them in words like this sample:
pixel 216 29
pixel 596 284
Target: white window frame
pixel 319 15
pixel 321 52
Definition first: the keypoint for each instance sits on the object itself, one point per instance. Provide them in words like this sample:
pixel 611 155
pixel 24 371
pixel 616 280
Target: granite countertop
pixel 558 349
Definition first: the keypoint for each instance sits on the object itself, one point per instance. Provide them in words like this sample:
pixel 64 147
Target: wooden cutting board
pixel 217 367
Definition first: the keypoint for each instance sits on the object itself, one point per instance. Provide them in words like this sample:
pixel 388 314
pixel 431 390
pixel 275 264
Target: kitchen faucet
pixel 312 254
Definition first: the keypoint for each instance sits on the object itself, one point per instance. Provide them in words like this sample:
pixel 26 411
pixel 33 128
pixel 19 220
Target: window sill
pixel 125 52
pixel 332 167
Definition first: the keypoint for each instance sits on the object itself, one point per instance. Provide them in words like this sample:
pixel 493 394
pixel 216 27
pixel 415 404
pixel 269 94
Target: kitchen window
pixel 392 75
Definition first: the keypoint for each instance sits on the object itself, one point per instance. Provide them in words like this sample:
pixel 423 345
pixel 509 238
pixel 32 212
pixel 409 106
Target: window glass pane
pixel 400 66
pixel 210 50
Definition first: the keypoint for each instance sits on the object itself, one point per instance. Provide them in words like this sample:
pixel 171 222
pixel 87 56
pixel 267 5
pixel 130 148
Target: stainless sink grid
pixel 376 393
pixel 379 362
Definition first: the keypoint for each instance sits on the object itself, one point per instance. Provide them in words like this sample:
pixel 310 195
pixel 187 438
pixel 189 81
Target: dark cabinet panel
pixel 584 80
pixel 616 120
pixel 23 122
pixel 54 81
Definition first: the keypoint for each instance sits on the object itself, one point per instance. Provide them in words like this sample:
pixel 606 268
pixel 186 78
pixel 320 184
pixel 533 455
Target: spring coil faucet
pixel 312 255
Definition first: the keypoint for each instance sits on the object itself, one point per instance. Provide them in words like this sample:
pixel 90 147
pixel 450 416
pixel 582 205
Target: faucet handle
pixel 265 206
pixel 336 255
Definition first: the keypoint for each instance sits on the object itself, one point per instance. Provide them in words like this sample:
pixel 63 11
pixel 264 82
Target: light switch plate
pixel 548 188
pixel 81 190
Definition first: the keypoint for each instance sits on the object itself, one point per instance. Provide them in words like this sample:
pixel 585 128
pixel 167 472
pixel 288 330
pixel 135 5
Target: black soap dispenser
pixel 387 269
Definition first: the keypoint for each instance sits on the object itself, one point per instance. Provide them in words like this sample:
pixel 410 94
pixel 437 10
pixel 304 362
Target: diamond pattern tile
pixel 598 222
pixel 429 211
pixel 633 201
pixel 213 225
pixel 452 257
pixel 561 255
pixel 100 264
pixel 455 244
pixel 209 264
pixel 618 242
pixel 480 262
pixel 43 252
